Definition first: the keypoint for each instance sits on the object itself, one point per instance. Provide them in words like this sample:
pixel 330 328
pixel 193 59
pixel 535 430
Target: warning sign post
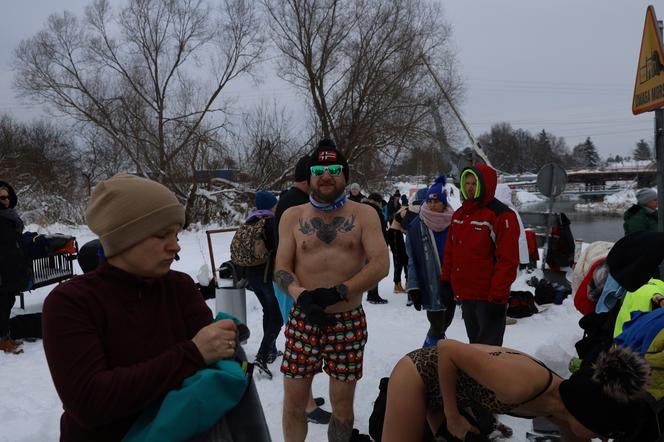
pixel 649 96
pixel 649 84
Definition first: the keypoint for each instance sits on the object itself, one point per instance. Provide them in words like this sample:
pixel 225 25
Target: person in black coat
pixel 355 193
pixel 375 201
pixel 260 280
pixel 14 274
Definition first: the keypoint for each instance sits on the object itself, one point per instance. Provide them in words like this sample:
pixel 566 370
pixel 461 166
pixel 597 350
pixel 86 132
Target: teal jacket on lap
pixel 203 399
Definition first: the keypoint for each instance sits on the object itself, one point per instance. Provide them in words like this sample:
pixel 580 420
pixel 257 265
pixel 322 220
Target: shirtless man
pixel 330 252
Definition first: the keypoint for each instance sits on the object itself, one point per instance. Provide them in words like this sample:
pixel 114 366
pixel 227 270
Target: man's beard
pixel 329 198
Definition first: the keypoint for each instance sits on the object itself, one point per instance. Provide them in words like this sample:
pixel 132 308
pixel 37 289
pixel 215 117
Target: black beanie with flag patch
pixel 325 154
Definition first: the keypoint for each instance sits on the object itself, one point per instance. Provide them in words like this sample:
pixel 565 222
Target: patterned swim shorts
pixel 340 346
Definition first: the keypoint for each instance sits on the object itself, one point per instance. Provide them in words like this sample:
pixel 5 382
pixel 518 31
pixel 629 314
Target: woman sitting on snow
pixel 441 383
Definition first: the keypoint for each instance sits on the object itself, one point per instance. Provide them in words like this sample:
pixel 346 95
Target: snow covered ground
pixel 30 408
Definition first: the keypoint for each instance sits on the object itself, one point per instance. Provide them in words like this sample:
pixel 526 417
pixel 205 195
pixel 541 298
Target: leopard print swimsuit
pixel 469 391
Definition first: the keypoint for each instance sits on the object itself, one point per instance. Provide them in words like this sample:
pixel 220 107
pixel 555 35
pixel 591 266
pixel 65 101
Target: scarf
pixel 328 207
pixel 264 213
pixel 436 221
pixel 12 216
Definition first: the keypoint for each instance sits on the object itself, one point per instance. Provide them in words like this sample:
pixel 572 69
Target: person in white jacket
pixel 504 195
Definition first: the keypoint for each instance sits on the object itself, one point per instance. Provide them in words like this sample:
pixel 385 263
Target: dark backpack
pixel 521 304
pixel 248 246
pixel 545 293
pixel 35 245
pixel 27 326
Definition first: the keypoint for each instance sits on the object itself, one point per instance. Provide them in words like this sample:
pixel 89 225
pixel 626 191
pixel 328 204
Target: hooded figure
pixel 14 273
pixel 481 256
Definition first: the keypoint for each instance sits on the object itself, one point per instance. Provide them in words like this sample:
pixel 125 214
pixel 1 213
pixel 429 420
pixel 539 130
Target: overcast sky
pixel 567 66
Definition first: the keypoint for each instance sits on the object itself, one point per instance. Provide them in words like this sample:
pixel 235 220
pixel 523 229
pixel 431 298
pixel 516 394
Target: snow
pixel 615 203
pixel 30 407
pixel 525 197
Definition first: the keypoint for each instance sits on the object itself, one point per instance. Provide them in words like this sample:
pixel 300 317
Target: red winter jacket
pixel 482 248
pixel 115 343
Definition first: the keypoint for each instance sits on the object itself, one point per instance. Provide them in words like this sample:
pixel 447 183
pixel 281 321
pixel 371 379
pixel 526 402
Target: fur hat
pixel 604 399
pixel 634 259
pixel 437 190
pixel 327 153
pixel 264 200
pixel 645 195
pixel 301 169
pixel 126 209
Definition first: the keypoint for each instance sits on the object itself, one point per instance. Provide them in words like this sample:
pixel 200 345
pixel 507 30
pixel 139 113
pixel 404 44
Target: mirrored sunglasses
pixel 333 169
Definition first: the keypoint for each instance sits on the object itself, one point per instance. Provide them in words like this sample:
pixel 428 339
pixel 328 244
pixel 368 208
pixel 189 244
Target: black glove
pixel 319 318
pixel 416 297
pixel 326 297
pixel 446 294
pixel 313 311
pixel 495 310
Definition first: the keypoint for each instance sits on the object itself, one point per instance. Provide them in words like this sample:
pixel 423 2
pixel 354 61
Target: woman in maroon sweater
pixel 124 335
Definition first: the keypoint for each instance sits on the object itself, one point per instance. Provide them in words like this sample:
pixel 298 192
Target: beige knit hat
pixel 126 209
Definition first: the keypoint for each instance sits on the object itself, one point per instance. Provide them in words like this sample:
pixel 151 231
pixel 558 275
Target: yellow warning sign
pixel 649 85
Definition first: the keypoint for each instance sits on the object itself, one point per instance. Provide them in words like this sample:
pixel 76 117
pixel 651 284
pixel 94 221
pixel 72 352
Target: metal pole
pixel 477 149
pixel 659 157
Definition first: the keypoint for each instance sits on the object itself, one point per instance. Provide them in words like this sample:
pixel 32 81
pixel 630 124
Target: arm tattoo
pixel 283 279
pixel 327 232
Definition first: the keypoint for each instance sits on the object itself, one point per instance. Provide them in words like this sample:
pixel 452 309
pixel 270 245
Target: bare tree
pixel 147 76
pixel 359 63
pixel 39 160
pixel 268 146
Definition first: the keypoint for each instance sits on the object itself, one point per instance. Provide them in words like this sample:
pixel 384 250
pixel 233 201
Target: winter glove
pixel 325 296
pixel 317 317
pixel 314 312
pixel 416 297
pixel 446 293
pixel 495 310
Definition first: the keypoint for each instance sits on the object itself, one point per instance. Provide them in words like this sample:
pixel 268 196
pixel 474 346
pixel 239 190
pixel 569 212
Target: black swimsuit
pixel 469 391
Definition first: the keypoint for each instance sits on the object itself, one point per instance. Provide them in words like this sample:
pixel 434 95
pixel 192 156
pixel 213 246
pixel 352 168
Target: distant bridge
pixel 575 189
pixel 602 176
pixel 589 182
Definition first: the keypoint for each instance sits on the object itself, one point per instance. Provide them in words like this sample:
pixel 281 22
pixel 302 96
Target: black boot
pixel 374 298
pixel 261 364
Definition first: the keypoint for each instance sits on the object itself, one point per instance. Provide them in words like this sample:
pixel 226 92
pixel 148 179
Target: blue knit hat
pixel 437 190
pixel 264 200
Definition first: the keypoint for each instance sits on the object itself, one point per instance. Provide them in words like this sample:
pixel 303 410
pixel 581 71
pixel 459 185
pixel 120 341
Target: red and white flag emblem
pixel 327 155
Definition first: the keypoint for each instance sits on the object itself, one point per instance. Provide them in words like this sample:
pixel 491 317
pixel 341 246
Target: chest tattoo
pixel 327 232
